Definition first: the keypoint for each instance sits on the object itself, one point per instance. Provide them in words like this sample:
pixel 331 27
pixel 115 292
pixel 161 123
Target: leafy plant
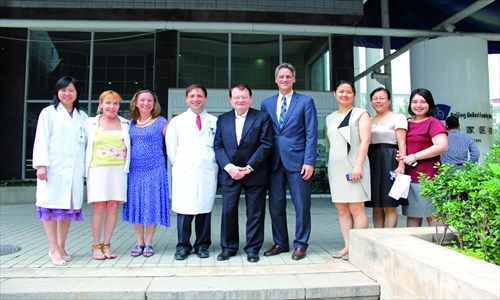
pixel 468 202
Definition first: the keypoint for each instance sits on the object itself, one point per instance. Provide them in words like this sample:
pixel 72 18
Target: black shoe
pixel 225 255
pixel 253 257
pixel 181 254
pixel 202 252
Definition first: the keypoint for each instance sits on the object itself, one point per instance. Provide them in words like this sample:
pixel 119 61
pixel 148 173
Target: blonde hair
pixel 105 95
pixel 134 111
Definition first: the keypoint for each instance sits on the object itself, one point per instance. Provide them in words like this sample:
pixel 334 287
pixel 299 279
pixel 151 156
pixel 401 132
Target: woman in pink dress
pixel 426 139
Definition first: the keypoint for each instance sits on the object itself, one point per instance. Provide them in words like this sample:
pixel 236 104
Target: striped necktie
pixel 283 112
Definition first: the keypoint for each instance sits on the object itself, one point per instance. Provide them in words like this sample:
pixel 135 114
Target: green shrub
pixel 468 202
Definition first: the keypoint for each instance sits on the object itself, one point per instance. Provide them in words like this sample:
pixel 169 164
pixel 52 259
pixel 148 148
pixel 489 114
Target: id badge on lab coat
pixel 210 137
pixel 81 134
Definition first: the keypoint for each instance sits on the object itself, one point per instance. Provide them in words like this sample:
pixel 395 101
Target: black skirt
pixel 382 162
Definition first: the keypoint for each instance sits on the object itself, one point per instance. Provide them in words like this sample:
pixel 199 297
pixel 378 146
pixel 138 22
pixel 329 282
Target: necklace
pixel 145 122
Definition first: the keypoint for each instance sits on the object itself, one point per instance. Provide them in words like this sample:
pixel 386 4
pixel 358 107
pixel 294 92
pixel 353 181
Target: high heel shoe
pixel 68 258
pixel 58 263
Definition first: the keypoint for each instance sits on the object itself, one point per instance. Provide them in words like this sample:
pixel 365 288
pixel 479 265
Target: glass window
pixel 203 60
pixel 303 52
pixel 56 54
pixel 254 58
pixel 123 63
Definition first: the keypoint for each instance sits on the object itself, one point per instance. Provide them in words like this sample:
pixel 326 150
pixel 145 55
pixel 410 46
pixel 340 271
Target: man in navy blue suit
pixel 243 144
pixel 295 127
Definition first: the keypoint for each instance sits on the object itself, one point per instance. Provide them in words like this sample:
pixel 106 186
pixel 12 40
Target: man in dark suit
pixel 295 127
pixel 243 143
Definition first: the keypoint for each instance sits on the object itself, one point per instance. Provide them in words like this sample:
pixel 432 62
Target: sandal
pixel 137 250
pixel 57 263
pixel 148 251
pixel 107 252
pixel 97 252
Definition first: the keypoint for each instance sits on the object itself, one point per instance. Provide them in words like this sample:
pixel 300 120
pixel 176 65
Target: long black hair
pixel 61 84
pixel 427 95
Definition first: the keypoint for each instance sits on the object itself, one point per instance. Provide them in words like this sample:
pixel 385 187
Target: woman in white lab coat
pixel 58 157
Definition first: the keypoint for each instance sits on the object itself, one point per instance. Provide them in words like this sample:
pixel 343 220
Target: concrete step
pixel 272 282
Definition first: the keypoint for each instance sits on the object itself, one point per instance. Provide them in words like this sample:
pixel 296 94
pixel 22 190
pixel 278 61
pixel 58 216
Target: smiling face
pixel 344 95
pixel 419 106
pixel 285 80
pixel 380 102
pixel 110 106
pixel 240 100
pixel 196 100
pixel 67 96
pixel 145 103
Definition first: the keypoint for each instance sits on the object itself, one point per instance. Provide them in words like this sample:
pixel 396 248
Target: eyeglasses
pixel 379 98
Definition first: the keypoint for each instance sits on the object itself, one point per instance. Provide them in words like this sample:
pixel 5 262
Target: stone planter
pixel 408 266
pixel 17 194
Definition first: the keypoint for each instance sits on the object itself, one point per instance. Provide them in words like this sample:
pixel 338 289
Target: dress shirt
pixel 239 121
pixel 460 146
pixel 280 102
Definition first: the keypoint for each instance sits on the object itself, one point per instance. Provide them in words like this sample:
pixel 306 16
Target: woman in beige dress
pixel 348 133
pixel 107 165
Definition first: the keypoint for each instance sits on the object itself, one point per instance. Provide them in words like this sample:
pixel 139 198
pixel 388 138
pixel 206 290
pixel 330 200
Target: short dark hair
pixel 340 82
pixel 196 86
pixel 381 89
pixel 61 84
pixel 427 95
pixel 241 87
pixel 452 122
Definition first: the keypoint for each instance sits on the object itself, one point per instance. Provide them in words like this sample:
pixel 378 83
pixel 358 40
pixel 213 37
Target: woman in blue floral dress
pixel 147 194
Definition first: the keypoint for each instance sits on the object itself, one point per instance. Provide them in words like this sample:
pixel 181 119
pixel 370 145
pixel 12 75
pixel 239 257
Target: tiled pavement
pixel 30 274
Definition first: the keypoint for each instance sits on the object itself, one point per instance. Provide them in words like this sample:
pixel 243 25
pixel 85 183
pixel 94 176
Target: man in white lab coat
pixel 190 148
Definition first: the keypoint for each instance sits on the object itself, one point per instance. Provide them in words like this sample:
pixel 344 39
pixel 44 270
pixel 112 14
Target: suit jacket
pixel 254 149
pixel 297 142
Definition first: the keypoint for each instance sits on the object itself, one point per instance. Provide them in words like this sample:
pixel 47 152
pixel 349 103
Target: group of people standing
pixel 261 152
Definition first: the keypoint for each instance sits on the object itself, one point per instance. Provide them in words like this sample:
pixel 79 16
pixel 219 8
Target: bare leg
pixel 391 217
pixel 414 222
pixel 109 225
pixel 346 223
pixel 139 233
pixel 433 222
pixel 358 212
pixel 96 221
pixel 378 217
pixel 150 230
pixel 62 234
pixel 51 232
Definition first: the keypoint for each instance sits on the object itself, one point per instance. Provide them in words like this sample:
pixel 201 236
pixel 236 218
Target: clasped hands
pixel 238 173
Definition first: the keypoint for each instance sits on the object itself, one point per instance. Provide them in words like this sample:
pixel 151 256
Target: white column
pixel 373 56
pixel 455 70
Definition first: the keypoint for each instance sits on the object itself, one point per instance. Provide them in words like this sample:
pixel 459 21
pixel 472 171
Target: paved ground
pixel 29 273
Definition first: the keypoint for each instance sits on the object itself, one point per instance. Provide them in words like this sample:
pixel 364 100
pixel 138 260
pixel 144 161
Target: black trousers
pixel 202 228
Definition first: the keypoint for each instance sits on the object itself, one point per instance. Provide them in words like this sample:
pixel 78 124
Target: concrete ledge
pixel 165 285
pixel 406 266
pixel 17 194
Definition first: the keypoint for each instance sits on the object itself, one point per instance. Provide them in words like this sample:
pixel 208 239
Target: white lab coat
pixel 60 146
pixel 91 125
pixel 194 168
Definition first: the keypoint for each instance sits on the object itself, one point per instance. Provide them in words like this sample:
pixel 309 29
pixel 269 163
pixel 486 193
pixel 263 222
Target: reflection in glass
pixel 123 62
pixel 56 54
pixel 254 58
pixel 304 52
pixel 203 60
